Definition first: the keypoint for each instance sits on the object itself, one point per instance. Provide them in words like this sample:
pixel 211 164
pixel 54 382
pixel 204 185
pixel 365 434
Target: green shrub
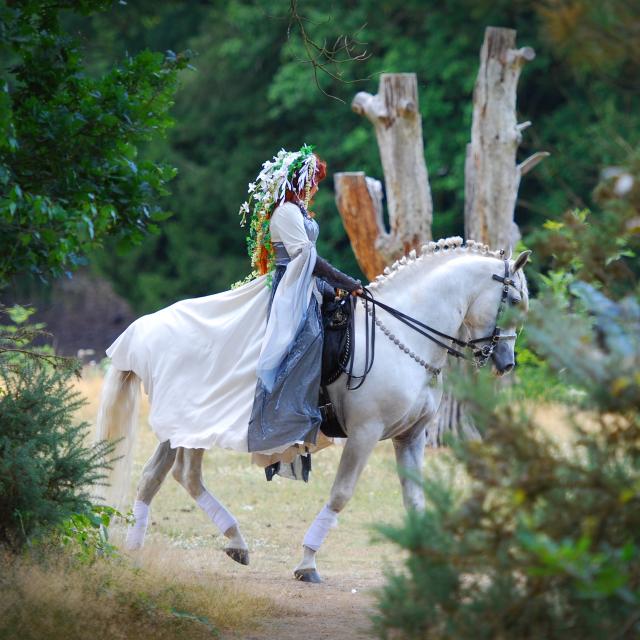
pixel 86 534
pixel 544 541
pixel 46 467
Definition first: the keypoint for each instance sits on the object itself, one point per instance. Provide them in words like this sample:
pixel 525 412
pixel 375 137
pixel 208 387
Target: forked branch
pixel 324 58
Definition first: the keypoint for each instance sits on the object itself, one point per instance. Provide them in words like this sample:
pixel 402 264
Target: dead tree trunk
pixel 492 176
pixel 359 201
pixel 395 115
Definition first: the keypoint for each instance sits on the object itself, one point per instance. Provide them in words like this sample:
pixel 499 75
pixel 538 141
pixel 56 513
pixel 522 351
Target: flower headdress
pixel 288 170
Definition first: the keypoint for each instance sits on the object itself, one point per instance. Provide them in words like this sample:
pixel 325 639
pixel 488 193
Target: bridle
pixel 480 354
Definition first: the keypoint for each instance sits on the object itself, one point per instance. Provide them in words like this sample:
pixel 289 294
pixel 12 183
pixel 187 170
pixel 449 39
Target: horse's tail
pixel 117 422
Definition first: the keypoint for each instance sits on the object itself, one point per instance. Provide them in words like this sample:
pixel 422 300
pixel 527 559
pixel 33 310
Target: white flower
pixel 273 181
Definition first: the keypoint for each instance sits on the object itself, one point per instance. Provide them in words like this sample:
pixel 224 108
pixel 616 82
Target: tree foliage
pixel 70 174
pixel 46 469
pixel 254 92
pixel 544 540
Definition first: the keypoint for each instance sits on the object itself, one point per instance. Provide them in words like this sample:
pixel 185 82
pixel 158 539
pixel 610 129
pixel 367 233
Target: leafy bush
pixel 536 380
pixel 544 542
pixel 69 172
pixel 46 468
pixel 87 533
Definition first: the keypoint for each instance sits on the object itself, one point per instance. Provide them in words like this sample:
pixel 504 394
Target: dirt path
pixel 339 608
pixel 274 517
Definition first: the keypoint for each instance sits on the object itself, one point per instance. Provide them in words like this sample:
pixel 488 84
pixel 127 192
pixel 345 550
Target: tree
pixel 46 468
pixel 542 538
pixel 395 114
pixel 252 93
pixel 492 177
pixel 70 175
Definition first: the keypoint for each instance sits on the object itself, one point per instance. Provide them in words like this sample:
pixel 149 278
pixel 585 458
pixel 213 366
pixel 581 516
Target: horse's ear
pixel 521 260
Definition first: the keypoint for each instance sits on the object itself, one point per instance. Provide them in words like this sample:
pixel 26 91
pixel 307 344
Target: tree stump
pixel 492 178
pixel 492 175
pixel 398 125
pixel 359 201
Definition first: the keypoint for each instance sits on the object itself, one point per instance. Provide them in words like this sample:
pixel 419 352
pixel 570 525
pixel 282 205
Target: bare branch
pixel 526 165
pixel 324 58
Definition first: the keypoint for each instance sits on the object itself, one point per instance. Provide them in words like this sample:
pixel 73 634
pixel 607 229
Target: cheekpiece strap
pixel 505 279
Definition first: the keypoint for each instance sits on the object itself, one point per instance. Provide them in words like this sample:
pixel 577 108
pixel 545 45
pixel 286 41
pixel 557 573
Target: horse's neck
pixel 439 298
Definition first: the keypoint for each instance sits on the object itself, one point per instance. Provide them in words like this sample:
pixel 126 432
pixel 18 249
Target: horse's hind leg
pixel 354 457
pixel 153 474
pixel 187 470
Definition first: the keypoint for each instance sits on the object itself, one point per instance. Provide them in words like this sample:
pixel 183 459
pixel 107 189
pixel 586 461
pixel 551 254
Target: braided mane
pixel 437 252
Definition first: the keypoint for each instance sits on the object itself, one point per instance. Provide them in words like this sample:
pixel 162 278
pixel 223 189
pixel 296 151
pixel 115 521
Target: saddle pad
pixel 336 321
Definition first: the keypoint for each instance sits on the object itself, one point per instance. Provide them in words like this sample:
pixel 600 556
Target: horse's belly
pixel 396 401
pixel 419 411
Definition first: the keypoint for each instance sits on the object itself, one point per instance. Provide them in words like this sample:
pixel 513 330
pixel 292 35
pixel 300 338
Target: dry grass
pixel 183 580
pixel 273 515
pixel 57 598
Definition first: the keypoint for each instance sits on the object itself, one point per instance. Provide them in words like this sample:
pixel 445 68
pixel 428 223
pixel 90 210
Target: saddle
pixel 336 349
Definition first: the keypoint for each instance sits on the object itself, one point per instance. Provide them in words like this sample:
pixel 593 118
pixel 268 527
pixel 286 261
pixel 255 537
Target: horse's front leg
pixel 354 457
pixel 187 470
pixel 409 448
pixel 153 474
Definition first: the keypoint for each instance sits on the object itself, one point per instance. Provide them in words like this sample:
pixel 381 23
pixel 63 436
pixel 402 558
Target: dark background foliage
pixel 70 174
pixel 252 92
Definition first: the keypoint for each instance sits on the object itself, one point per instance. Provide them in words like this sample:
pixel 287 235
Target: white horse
pixel 451 287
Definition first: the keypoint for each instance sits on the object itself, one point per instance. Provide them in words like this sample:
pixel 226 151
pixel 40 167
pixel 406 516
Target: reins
pixel 369 340
pixel 480 355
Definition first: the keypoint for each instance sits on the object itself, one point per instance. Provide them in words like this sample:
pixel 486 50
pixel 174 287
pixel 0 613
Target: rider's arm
pixel 335 277
pixel 287 226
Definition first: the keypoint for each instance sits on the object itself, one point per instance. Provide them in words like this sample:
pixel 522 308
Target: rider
pixel 282 243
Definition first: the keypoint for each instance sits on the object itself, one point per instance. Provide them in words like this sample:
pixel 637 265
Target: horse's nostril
pixel 508 368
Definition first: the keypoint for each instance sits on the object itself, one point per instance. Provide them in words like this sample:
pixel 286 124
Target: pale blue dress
pixel 288 410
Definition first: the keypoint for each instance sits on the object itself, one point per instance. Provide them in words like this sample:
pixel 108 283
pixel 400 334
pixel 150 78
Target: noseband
pixel 481 354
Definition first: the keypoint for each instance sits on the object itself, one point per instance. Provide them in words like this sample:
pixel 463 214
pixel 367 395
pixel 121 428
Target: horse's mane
pixel 435 253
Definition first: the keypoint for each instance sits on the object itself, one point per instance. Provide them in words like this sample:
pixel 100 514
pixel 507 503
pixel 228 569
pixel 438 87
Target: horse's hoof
pixel 241 556
pixel 307 575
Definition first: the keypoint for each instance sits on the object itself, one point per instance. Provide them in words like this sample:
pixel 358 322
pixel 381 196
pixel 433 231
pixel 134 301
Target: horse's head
pixel 506 288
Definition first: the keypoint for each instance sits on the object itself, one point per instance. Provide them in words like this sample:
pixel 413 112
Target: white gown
pixel 198 358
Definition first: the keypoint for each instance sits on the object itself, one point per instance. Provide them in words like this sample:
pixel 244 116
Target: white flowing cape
pixel 199 358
